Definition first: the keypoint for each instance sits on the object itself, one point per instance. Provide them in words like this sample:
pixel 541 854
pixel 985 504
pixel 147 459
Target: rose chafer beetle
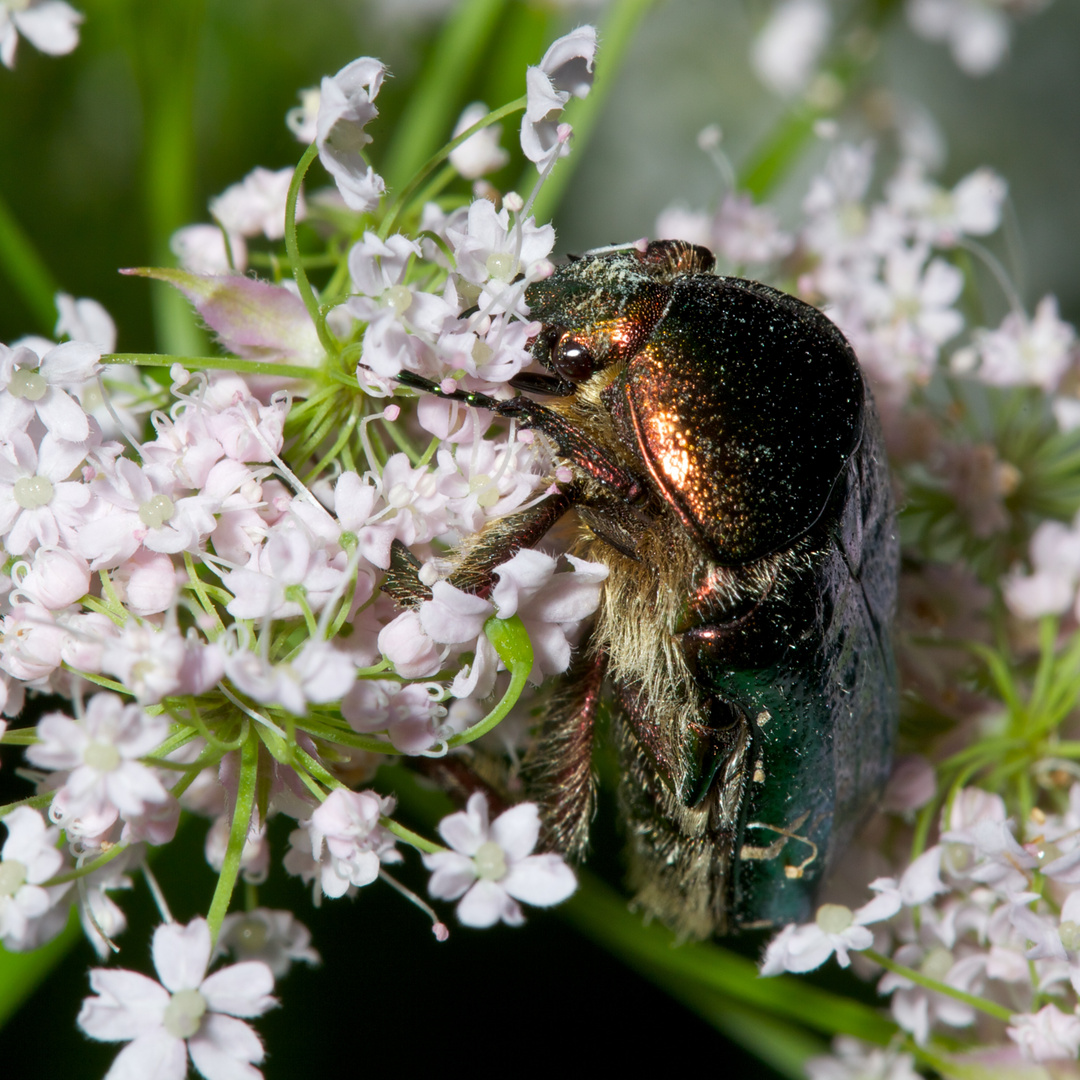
pixel 728 469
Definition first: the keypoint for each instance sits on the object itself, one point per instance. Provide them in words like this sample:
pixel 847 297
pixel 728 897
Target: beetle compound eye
pixel 572 359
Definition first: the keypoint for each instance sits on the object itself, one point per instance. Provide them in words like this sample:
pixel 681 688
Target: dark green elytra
pixel 744 402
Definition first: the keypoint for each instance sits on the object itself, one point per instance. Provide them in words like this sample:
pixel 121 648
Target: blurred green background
pixel 165 104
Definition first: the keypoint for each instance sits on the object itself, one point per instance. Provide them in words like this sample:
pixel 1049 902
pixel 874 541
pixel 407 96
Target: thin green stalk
pixel 991 1008
pixel 511 642
pixel 436 99
pixel 238 833
pixel 411 838
pixel 403 200
pixel 292 248
pixel 212 363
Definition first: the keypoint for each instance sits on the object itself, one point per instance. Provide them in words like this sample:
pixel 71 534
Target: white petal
pixel 517 830
pixel 128 1005
pixel 240 990
pixel 223 1048
pixel 154 1056
pixel 452 874
pixel 540 880
pixel 181 954
pixel 482 905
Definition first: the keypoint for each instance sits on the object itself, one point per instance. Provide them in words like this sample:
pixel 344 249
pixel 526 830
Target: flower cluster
pixel 215 547
pixel 983 922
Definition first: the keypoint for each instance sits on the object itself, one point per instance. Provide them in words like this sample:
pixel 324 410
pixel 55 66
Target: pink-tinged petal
pixel 157 1055
pixel 466 830
pixel 131 787
pixel 128 1005
pixel 181 954
pixel 540 880
pixel 452 617
pixel 252 318
pixel 517 830
pixel 224 1048
pixel 62 743
pixel 483 905
pixel 240 990
pixel 452 875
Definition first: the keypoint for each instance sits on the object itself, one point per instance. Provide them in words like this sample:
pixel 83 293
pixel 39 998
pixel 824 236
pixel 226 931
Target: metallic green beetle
pixel 728 469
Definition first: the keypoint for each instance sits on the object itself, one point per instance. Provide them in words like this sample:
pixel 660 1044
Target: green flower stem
pixel 432 104
pixel 512 643
pixel 402 201
pixel 213 363
pixel 292 248
pixel 35 802
pixel 198 587
pixel 20 737
pixel 100 680
pixel 87 868
pixel 991 1008
pixel 26 271
pixel 180 737
pixel 616 36
pixel 238 834
pixel 411 838
pixel 703 968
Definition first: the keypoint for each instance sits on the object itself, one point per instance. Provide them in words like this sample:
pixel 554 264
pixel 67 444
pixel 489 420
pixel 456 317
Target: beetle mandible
pixel 728 469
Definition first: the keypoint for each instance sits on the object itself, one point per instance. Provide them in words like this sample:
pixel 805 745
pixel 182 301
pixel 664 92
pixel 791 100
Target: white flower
pixel 38 504
pixel 345 107
pixel 106 779
pixel 566 71
pixel 977 32
pixel 1022 350
pixel 835 928
pixel 1048 1035
pixel 201 249
pixel 188 1012
pixel 257 204
pixel 277 938
pixel 345 844
pixel 49 25
pixel 492 865
pixel 29 857
pixel 85 320
pixel 785 52
pixel 481 153
pixel 853 1060
pixel 40 386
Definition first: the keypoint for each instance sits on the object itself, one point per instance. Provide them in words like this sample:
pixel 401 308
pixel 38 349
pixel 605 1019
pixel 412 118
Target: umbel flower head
pixel 187 1013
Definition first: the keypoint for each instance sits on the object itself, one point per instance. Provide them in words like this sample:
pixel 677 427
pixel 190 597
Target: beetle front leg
pixel 577 448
